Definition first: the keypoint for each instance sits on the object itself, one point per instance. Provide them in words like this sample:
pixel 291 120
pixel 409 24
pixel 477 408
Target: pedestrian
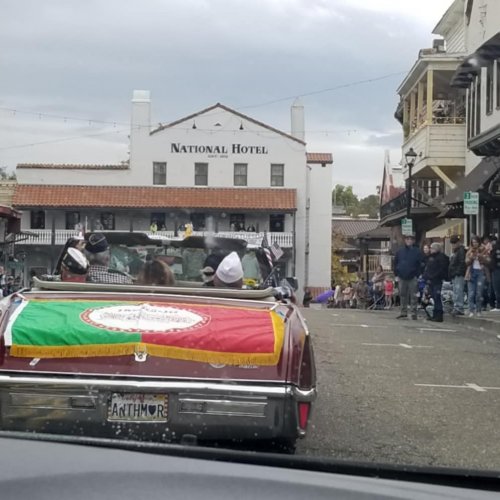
pixel 347 294
pixel 153 227
pixel 307 297
pixel 477 261
pixel 495 273
pixel 389 291
pixel 436 270
pixel 488 285
pixel 378 286
pixel 426 252
pixel 456 273
pixel 361 293
pixel 408 263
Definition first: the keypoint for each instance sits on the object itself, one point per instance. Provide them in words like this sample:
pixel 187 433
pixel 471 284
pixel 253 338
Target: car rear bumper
pixel 205 410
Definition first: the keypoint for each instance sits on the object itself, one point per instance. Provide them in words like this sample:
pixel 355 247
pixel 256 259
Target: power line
pixel 64 139
pixel 115 123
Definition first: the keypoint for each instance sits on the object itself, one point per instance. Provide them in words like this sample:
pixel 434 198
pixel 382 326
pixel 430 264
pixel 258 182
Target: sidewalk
pixel 489 321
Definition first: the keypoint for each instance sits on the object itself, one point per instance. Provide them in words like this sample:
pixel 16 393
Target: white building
pixel 218 168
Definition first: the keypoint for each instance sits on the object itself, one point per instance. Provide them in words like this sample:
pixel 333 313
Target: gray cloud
pixel 84 59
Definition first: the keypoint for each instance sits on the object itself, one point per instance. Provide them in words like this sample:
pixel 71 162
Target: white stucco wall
pixel 484 23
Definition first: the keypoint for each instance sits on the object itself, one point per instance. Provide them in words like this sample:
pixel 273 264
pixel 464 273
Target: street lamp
pixel 410 157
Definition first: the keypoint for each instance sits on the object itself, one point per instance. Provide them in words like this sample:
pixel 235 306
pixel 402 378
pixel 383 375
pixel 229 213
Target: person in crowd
pixel 153 227
pixel 378 284
pixel 408 265
pixel 251 267
pixel 251 228
pixel 456 273
pixel 156 272
pixel 436 270
pixel 347 295
pixel 426 252
pixel 495 272
pixel 98 225
pixel 99 256
pixel 389 292
pixel 8 289
pixel 361 293
pixel 337 295
pixel 306 301
pixel 477 261
pixel 488 285
pixel 229 273
pixel 74 265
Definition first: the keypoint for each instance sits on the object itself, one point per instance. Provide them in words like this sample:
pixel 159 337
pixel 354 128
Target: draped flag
pixel 194 332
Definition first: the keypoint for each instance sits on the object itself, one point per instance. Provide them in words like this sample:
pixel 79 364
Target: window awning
pixel 471 66
pixel 475 181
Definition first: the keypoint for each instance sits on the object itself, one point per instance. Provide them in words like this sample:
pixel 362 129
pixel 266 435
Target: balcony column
pixel 430 94
pixel 420 103
pixel 413 106
pixel 406 119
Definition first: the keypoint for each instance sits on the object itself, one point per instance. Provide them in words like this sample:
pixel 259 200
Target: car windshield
pixel 262 225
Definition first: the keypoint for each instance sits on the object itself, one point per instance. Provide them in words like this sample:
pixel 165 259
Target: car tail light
pixel 304 409
pixel 307 375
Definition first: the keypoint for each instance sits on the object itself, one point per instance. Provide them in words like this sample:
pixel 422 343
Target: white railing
pixel 45 236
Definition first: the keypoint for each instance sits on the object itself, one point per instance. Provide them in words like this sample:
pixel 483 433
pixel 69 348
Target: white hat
pixel 230 269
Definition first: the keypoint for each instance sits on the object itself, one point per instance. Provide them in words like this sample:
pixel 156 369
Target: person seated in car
pixel 99 256
pixel 229 273
pixel 74 266
pixel 156 272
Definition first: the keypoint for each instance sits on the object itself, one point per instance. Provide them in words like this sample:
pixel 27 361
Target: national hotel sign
pixel 219 150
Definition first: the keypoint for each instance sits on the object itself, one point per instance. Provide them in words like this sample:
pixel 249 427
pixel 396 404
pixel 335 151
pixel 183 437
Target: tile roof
pixel 74 166
pixel 32 195
pixel 352 227
pixel 229 110
pixel 319 158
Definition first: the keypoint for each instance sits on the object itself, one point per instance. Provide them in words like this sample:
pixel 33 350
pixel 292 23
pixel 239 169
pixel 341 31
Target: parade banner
pixel 194 332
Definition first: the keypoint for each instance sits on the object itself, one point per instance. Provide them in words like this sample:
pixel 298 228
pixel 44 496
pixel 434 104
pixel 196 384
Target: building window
pixel 489 87
pixel 37 219
pixel 277 174
pixel 240 174
pixel 108 221
pixel 159 173
pixel 497 65
pixel 237 222
pixel 72 220
pixel 159 219
pixel 201 174
pixel 277 223
pixel 198 221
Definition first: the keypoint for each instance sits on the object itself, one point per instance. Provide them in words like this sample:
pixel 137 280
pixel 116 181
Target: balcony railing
pixel 419 200
pixel 60 236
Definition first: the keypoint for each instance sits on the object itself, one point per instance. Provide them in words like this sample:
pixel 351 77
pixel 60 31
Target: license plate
pixel 138 407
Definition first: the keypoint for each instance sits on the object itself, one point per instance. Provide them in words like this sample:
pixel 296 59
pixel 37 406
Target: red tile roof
pixel 74 166
pixel 319 158
pixel 30 195
pixel 229 110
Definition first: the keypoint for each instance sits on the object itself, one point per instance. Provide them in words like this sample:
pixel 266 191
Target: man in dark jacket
pixel 495 273
pixel 407 266
pixel 435 272
pixel 456 273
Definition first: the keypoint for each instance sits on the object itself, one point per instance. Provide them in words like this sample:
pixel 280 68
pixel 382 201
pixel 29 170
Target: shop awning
pixel 475 181
pixel 452 226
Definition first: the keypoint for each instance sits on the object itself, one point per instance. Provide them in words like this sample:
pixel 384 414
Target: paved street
pixel 408 392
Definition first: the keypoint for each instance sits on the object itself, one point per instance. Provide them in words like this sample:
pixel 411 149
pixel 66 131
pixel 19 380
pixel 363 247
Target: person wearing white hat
pixel 229 272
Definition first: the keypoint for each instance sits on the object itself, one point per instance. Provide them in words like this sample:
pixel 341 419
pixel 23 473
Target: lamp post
pixel 410 157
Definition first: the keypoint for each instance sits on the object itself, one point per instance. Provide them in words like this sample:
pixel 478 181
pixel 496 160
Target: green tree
pixel 369 205
pixel 345 197
pixel 6 175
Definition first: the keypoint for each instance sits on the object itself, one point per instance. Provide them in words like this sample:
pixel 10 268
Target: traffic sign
pixel 471 203
pixel 406 226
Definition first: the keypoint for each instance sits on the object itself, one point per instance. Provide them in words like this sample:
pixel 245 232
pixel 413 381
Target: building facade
pixel 219 169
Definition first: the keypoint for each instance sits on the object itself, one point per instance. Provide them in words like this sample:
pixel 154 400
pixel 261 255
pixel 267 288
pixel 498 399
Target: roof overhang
pixel 450 18
pixel 471 66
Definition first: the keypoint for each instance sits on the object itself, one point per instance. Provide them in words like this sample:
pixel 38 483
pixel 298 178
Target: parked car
pixel 179 363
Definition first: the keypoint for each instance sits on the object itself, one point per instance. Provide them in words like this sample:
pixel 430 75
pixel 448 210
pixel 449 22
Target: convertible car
pixel 184 363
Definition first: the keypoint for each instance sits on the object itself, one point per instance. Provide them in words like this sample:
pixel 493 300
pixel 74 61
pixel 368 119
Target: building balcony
pixel 440 148
pixel 41 237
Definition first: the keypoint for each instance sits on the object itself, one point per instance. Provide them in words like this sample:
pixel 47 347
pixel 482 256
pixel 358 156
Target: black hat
pixel 75 261
pixel 96 243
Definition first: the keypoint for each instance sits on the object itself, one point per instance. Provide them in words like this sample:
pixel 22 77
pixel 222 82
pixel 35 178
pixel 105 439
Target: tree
pixel 344 196
pixel 369 205
pixel 5 175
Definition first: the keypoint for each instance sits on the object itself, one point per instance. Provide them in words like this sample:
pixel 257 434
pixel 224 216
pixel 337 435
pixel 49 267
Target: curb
pixel 489 325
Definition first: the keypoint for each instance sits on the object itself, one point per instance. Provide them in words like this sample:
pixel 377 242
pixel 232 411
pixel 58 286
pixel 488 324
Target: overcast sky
pixel 82 59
